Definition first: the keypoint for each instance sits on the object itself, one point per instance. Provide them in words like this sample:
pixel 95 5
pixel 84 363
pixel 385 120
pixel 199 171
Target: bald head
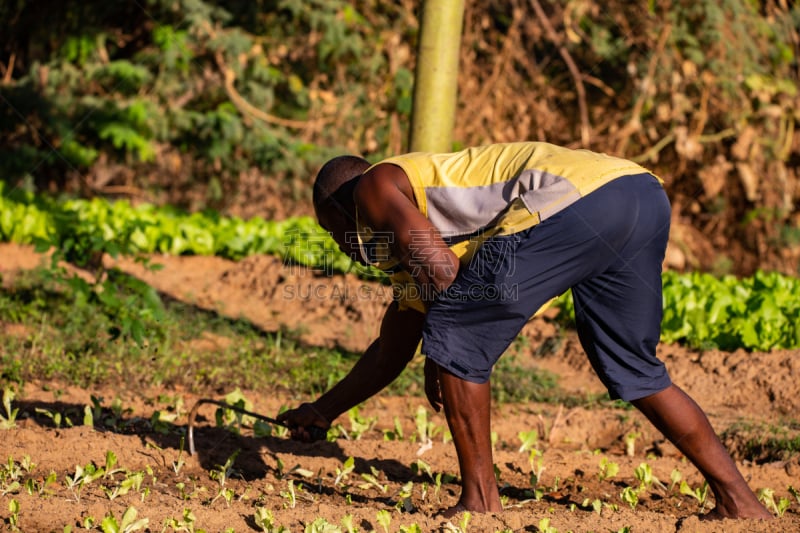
pixel 333 199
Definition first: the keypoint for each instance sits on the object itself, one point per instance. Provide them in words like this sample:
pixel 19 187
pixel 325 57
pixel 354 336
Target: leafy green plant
pixel 545 527
pixel 372 480
pixel 320 525
pixel 608 469
pixel 528 439
pixel 384 518
pixel 83 476
pixel 403 496
pixel 537 468
pixel 344 472
pixel 186 522
pixel 265 520
pixel 127 524
pixel 644 473
pixel 8 421
pixel 759 313
pixel 358 424
pixel 700 493
pixel 289 495
pixel 221 474
pixel 394 434
pixel 13 514
pixel 630 496
pixel 767 497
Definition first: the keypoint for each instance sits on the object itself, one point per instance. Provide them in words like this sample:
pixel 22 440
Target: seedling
pixel 161 422
pixel 343 473
pixel 596 504
pixel 529 439
pixel 372 480
pixel 223 472
pixel 420 466
pixel 767 497
pixel 674 478
pixel 9 420
pixel 404 498
pixel 608 469
pixel 55 416
pixel 630 443
pixel 394 434
pixel 320 525
pixel 698 494
pixel 13 514
pixel 384 518
pixel 794 492
pixel 544 526
pixel 11 471
pixel 178 465
pixel 264 519
pixel 347 523
pixel 111 462
pixel 40 489
pixel 466 516
pixel 358 424
pixel 289 495
pixel 425 430
pixel 630 496
pixel 186 523
pixel 413 528
pixel 127 524
pixel 131 482
pixel 221 475
pixel 537 466
pixel 438 480
pixel 82 477
pixel 644 474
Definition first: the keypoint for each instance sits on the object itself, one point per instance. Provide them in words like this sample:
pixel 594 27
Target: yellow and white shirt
pixel 498 189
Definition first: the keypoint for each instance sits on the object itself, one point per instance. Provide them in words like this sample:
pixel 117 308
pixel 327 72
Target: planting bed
pixel 585 467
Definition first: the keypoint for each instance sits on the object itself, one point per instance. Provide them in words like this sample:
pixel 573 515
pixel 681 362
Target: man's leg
pixel 682 421
pixel 467 408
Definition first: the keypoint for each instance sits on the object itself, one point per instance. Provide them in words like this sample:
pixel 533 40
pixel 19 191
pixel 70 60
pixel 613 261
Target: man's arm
pixel 381 363
pixel 386 201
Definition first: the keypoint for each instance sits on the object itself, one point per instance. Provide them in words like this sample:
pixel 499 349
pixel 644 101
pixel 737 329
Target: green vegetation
pixel 756 313
pixel 82 228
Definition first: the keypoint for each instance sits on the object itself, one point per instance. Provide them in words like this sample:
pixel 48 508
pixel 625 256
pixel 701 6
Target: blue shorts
pixel 608 247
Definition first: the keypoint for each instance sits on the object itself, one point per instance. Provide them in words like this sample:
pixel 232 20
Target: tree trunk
pixel 435 86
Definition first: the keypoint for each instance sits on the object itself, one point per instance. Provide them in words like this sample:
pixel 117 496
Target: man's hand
pixel 432 386
pixel 305 423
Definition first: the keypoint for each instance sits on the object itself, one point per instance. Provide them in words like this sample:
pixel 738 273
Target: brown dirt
pixel 740 391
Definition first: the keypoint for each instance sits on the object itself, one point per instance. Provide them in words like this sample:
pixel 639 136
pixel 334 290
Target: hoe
pixel 316 433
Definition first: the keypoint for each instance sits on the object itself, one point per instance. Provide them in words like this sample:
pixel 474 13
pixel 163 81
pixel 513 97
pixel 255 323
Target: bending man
pixel 476 242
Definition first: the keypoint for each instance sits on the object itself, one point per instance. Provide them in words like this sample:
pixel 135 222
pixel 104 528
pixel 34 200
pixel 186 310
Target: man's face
pixel 339 220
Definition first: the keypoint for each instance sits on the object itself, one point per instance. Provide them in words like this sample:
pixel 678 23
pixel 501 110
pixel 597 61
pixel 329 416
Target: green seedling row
pixel 761 312
pixel 81 228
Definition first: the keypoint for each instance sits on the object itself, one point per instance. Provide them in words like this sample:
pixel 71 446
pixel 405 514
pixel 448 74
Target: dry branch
pixel 573 70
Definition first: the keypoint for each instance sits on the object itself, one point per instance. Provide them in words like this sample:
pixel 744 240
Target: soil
pixel 742 393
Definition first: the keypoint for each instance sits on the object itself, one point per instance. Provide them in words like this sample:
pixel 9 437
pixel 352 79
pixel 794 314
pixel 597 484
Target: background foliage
pixel 233 104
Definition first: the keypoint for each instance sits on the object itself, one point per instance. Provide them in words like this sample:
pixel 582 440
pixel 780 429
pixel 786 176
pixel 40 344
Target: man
pixel 476 242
